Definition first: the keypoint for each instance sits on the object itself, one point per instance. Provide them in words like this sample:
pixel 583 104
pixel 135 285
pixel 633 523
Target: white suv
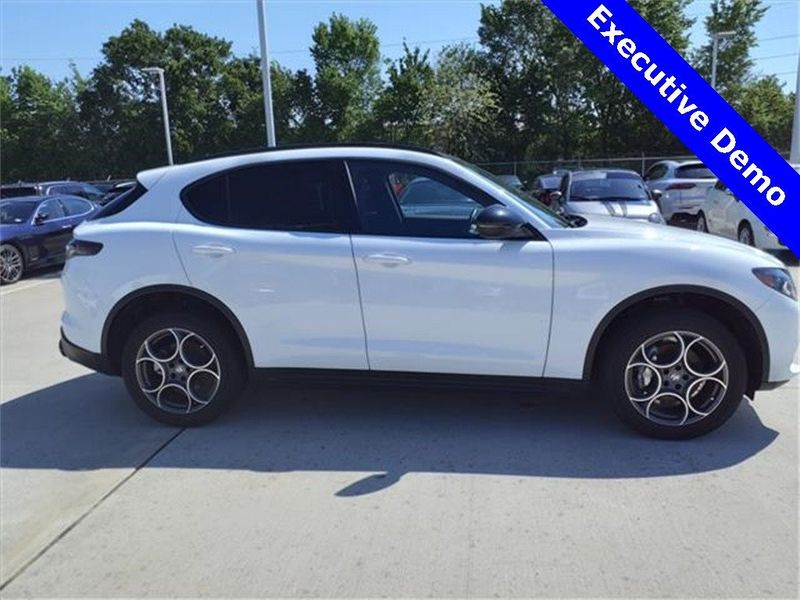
pixel 394 263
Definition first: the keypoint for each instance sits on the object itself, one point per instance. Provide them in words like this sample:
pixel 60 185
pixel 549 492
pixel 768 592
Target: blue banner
pixel 691 108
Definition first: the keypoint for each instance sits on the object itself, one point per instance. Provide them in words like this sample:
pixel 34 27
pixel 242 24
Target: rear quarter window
pixel 121 202
pixel 694 172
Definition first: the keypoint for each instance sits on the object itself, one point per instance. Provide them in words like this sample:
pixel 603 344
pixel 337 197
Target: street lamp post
pixel 794 154
pixel 266 80
pixel 715 38
pixel 162 86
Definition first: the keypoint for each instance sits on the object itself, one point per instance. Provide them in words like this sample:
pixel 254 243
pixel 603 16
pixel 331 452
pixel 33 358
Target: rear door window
pixel 74 207
pixel 283 196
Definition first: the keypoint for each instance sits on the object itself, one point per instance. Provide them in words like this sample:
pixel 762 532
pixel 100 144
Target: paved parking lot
pixel 354 492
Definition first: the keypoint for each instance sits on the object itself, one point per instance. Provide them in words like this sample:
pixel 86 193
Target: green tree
pixel 39 135
pixel 459 108
pixel 347 80
pixel 399 110
pixel 734 64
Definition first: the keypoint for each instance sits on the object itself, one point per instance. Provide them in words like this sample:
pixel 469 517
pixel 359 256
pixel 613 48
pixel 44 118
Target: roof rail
pixel 301 146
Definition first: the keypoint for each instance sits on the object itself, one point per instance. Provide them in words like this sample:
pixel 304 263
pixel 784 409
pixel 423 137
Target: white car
pixel 305 262
pixel 610 192
pixel 683 186
pixel 724 214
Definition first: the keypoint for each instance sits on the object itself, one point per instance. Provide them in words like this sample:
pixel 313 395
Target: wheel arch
pixel 730 311
pixel 129 308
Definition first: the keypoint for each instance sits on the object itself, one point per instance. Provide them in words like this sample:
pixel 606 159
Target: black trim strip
pixel 179 289
pixel 678 289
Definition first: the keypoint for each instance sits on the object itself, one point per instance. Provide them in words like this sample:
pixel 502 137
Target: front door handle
pixel 213 250
pixel 388 259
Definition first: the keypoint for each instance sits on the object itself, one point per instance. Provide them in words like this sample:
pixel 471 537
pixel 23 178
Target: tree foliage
pixel 528 90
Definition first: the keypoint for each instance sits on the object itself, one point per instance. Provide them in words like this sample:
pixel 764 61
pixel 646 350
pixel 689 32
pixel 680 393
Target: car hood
pixel 632 209
pixel 639 233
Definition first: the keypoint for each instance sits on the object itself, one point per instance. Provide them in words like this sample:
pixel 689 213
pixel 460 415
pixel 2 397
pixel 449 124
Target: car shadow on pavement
pixel 90 423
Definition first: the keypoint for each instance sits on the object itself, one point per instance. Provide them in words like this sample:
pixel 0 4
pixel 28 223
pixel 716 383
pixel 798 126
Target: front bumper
pixel 96 362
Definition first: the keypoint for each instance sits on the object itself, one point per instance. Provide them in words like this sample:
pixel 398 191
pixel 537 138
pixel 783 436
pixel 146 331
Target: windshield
pixel 543 212
pixel 14 213
pixel 607 186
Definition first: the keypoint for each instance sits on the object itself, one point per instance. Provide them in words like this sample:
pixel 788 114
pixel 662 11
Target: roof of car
pixel 612 170
pixel 33 198
pixel 207 166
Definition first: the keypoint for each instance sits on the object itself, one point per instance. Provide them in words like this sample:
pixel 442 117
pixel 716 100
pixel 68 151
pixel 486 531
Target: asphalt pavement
pixel 333 491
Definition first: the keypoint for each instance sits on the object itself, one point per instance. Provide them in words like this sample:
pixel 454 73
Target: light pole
pixel 715 38
pixel 160 72
pixel 266 81
pixel 794 154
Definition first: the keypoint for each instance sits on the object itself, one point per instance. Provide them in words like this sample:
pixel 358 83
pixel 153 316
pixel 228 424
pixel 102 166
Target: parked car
pixel 612 192
pixel 683 186
pixel 513 181
pixel 544 185
pixel 34 231
pixel 115 190
pixel 724 214
pixel 304 262
pixel 52 188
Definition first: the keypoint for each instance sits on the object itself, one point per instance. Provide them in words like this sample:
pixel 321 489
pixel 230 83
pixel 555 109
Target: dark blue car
pixel 34 231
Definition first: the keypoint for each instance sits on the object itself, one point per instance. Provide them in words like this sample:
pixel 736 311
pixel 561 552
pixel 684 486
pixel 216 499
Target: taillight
pixel 680 186
pixel 83 248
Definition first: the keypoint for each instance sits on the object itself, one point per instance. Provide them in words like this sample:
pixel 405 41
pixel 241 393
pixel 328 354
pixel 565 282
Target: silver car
pixel 683 184
pixel 607 192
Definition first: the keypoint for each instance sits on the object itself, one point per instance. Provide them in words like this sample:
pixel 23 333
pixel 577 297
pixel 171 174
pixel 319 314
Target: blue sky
pixel 48 33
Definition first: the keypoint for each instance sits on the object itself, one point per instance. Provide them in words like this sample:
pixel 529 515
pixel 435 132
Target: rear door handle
pixel 388 259
pixel 213 250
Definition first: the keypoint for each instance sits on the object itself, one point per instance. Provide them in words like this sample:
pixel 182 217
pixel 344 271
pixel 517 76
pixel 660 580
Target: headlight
pixel 656 218
pixel 778 279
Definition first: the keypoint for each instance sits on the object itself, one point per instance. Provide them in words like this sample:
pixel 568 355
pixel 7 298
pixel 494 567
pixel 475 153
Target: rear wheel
pixel 746 234
pixel 674 375
pixel 701 223
pixel 182 369
pixel 12 265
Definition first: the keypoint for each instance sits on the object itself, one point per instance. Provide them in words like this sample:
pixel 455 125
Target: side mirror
pixel 555 196
pixel 497 222
pixel 656 194
pixel 40 218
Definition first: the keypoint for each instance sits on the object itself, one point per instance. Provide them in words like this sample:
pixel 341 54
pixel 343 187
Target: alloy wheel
pixel 676 378
pixel 10 264
pixel 177 370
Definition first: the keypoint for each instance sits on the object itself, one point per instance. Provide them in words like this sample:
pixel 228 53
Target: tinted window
pixel 75 206
pixel 300 195
pixel 121 202
pixel 411 200
pixel 656 172
pixel 607 186
pixel 696 171
pixel 17 191
pixel 14 212
pixel 51 209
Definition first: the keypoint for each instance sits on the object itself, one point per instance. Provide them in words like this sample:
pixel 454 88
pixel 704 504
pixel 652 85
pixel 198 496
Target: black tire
pixel 231 366
pixel 10 252
pixel 701 224
pixel 626 339
pixel 745 234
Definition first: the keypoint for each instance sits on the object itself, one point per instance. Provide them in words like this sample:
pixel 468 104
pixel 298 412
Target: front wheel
pixel 12 265
pixel 677 374
pixel 182 369
pixel 746 236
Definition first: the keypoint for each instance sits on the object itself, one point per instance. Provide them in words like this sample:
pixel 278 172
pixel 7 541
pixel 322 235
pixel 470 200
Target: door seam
pixel 360 302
